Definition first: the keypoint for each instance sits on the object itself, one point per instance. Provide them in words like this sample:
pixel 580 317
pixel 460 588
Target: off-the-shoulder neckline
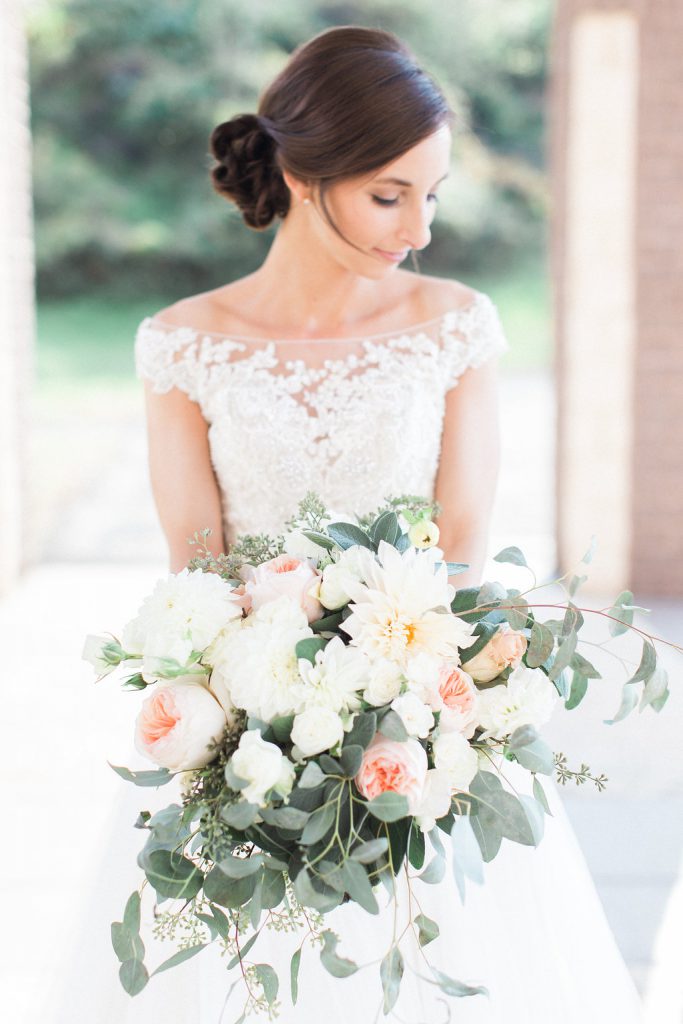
pixel 478 296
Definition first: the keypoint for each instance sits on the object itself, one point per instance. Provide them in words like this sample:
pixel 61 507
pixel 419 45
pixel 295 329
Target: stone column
pixel 16 285
pixel 616 155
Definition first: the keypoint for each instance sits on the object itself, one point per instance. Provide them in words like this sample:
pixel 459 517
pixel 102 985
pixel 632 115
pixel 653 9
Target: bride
pixel 332 368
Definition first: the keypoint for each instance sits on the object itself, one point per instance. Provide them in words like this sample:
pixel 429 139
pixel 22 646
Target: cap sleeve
pixel 167 357
pixel 471 337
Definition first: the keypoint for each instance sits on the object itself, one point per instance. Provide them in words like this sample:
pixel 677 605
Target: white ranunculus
pixel 348 568
pixel 403 606
pixel 414 713
pixel 424 534
pixel 315 730
pixel 184 613
pixel 454 755
pixel 296 544
pixel 93 652
pixel 528 698
pixel 384 682
pixel 336 678
pixel 176 725
pixel 263 766
pixel 435 801
pixel 255 665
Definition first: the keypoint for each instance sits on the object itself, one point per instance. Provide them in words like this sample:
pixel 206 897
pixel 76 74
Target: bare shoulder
pixel 434 296
pixel 205 311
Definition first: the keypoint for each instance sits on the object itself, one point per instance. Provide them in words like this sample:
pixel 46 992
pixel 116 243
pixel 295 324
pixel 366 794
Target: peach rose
pixel 391 765
pixel 177 723
pixel 286 576
pixel 506 647
pixel 459 695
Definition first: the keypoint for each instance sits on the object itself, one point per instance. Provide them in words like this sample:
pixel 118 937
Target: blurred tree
pixel 124 96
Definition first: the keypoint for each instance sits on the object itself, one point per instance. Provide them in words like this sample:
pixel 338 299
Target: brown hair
pixel 347 102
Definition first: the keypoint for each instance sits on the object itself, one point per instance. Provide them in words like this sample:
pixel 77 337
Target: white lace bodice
pixel 355 419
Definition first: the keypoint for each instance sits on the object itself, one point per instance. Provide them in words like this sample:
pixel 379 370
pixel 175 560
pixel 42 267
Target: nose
pixel 415 227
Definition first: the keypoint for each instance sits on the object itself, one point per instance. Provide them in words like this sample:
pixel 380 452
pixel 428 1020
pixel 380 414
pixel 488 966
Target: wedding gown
pixel 357 420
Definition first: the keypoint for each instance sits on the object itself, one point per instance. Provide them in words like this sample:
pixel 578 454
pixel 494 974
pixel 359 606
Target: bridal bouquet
pixel 335 712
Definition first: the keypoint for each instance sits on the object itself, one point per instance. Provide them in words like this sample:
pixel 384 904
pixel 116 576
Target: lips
pixel 392 257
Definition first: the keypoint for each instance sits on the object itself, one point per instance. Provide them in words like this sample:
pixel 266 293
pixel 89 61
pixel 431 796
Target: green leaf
pixel 629 699
pixel 398 841
pixel 539 793
pixel 434 871
pixel 518 612
pixel 309 647
pixel 243 950
pixel 311 776
pixel 522 736
pixel 619 612
pixel 228 892
pixel 346 535
pixel 575 583
pixel 455 568
pixel 416 846
pixel 272 889
pixel 577 692
pixel 241 867
pixel 323 898
pixel 282 728
pixel 464 600
pixel 318 824
pixel 391 971
pixel 467 852
pixel 133 975
pixel 499 810
pixel 286 816
pixel 535 816
pixel 541 644
pixel 126 942
pixel 173 875
pixel 391 726
pixel 158 777
pixel 131 915
pixel 455 988
pixel 386 527
pixel 337 966
pixel 180 957
pixel 240 815
pixel 428 929
pixel 351 757
pixel 648 663
pixel 368 852
pixel 269 981
pixel 294 975
pixel 537 757
pixel 584 666
pixel 358 886
pixel 563 656
pixel 319 538
pixel 328 623
pixel 388 806
pixel 512 555
pixel 329 765
pixel 656 690
pixel 363 730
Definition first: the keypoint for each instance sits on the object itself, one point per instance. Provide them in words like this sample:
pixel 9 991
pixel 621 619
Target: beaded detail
pixel 355 427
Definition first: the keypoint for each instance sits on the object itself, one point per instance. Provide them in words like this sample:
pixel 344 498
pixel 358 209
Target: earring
pixel 306 202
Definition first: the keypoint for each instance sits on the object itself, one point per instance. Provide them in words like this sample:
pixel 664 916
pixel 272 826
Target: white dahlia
pixel 336 677
pixel 527 698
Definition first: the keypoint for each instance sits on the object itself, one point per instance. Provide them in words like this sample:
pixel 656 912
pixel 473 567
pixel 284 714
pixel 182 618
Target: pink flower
pixel 506 647
pixel 285 575
pixel 177 723
pixel 389 765
pixel 459 695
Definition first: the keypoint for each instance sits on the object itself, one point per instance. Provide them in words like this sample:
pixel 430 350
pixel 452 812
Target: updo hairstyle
pixel 347 102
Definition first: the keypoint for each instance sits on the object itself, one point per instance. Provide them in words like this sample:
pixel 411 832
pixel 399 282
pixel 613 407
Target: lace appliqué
pixel 355 427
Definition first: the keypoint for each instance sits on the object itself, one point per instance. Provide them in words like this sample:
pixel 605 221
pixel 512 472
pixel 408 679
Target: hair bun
pixel 247 172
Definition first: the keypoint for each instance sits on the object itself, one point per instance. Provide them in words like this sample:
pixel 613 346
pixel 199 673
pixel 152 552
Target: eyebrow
pixel 400 181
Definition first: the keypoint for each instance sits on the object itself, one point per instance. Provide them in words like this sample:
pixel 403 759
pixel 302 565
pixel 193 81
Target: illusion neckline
pixel 358 339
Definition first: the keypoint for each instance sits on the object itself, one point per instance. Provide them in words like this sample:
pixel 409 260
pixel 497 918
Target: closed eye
pixel 392 202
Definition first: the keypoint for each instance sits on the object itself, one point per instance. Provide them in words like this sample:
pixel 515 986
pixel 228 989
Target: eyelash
pixel 392 202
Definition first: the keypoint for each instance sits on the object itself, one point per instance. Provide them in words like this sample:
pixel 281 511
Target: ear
pixel 299 189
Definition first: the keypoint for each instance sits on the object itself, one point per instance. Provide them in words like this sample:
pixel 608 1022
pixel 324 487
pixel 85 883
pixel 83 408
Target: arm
pixel 183 482
pixel 468 470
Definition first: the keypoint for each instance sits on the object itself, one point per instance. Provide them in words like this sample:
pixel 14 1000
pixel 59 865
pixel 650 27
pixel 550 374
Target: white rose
pixel 263 766
pixel 422 673
pixel 414 713
pixel 295 543
pixel 435 801
pixel 348 568
pixel 176 725
pixel 315 730
pixel 528 698
pixel 456 757
pixel 384 682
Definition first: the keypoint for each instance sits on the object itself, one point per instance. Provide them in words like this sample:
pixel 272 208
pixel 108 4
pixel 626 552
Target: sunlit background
pixel 123 221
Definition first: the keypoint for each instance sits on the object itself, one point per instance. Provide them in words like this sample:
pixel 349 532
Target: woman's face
pixel 388 213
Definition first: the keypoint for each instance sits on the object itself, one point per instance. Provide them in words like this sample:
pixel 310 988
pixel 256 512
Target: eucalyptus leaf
pixel 269 981
pixel 386 527
pixel 363 730
pixel 512 555
pixel 563 656
pixel 518 613
pixel 311 776
pixel 241 867
pixel 392 727
pixel 337 966
pixel 318 824
pixel 391 972
pixel 434 871
pixel 541 644
pixel 428 929
pixel 358 886
pixel 467 853
pixel 243 950
pixel 272 889
pixel 648 663
pixel 656 690
pixel 625 616
pixel 282 727
pixel 455 988
pixel 522 736
pixel 577 692
pixel 309 647
pixel 584 666
pixel 537 757
pixel 416 847
pixel 228 892
pixel 171 874
pixel 535 816
pixel 346 535
pixel 133 976
pixel 629 699
pixel 321 539
pixel 388 806
pixel 322 899
pixel 370 851
pixel 127 943
pixel 351 757
pixel 240 815
pixel 156 777
pixel 456 568
pixel 131 915
pixel 294 974
pixel 330 765
pixel 285 816
pixel 180 957
pixel 539 793
pixel 575 583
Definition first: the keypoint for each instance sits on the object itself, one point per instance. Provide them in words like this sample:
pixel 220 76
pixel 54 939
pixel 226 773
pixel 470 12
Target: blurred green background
pixel 124 97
